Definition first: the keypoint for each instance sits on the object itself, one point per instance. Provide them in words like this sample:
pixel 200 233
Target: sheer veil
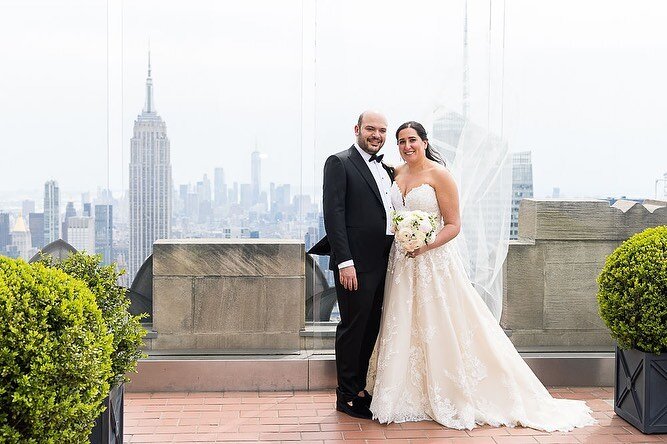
pixel 481 164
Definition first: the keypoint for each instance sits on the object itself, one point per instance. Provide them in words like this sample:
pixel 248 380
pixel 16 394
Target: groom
pixel 356 218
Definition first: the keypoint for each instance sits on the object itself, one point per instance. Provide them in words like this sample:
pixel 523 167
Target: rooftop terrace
pixel 310 417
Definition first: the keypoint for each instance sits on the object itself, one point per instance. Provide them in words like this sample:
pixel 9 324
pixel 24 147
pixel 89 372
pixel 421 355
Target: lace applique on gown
pixel 441 354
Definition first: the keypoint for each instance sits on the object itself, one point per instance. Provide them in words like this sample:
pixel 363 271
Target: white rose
pixel 420 237
pixel 425 226
pixel 403 235
pixel 413 245
pixel 405 224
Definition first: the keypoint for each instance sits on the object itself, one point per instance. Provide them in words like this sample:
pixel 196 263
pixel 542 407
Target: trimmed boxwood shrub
pixel 55 355
pixel 112 299
pixel 632 294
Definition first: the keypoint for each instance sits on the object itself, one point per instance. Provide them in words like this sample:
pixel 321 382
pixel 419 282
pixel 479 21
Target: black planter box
pixel 108 427
pixel 640 392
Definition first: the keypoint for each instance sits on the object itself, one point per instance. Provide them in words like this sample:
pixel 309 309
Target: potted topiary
pixel 55 355
pixel 126 330
pixel 632 301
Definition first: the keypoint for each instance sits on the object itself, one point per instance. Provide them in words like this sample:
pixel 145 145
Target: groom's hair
pixel 361 117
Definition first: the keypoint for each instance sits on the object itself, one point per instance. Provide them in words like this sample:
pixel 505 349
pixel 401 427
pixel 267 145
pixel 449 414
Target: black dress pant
pixel 357 331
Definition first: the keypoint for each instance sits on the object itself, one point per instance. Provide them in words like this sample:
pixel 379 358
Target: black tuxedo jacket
pixel 354 216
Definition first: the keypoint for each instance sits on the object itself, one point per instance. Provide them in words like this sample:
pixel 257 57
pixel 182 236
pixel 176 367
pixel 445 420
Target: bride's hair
pixel 431 153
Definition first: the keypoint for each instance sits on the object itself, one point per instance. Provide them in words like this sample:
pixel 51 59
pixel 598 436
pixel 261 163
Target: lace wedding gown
pixel 441 354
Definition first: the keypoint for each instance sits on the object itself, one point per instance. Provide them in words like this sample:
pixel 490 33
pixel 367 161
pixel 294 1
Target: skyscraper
pixel 219 187
pixel 150 182
pixel 51 212
pixel 255 175
pixel 247 196
pixel 522 186
pixel 28 207
pixel 5 238
pixel 81 233
pixel 69 213
pixel 36 224
pixel 104 232
pixel 21 238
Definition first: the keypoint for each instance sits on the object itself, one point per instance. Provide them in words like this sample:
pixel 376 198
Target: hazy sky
pixel 580 84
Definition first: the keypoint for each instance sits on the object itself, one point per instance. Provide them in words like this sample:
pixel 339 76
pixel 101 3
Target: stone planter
pixel 640 392
pixel 108 427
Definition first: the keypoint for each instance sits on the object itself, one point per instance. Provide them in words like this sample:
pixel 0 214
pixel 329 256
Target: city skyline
pixel 565 94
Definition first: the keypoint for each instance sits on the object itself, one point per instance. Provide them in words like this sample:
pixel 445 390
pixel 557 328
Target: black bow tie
pixel 376 157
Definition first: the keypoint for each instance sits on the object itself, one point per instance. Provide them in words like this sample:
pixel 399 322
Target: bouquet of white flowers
pixel 413 229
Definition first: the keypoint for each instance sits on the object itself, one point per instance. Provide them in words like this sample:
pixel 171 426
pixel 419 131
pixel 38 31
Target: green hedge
pixel 632 294
pixel 55 355
pixel 112 299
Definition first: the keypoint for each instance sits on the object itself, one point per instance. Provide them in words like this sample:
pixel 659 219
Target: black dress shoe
pixel 366 399
pixel 358 409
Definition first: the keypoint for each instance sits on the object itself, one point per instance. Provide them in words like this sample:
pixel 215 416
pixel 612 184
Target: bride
pixel 441 355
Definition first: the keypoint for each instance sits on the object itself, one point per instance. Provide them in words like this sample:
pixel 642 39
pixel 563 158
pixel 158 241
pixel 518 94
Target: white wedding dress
pixel 441 354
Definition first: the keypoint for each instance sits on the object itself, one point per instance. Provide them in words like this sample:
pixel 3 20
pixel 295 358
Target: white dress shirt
pixel 384 185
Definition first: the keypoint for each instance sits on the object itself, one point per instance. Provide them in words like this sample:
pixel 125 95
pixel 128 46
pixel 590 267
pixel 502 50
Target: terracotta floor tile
pixel 405 434
pixel 598 439
pixel 515 439
pixel 350 426
pixel 253 437
pixel 181 401
pixel 311 417
pixel 302 441
pixel 372 425
pixel 370 434
pixel 279 420
pixel 489 431
pixel 276 394
pixel 638 438
pixel 195 437
pixel 340 441
pixel 151 438
pixel 259 414
pixel 260 428
pixel 321 435
pixel 525 431
pixel 170 395
pixel 557 439
pixel 421 425
pixel 474 440
pixel 447 433
pixel 300 428
pixel 280 436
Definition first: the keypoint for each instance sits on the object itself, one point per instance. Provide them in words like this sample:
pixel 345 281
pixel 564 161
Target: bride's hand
pixel 421 250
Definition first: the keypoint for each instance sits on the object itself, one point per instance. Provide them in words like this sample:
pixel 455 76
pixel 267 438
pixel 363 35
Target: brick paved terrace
pixel 310 417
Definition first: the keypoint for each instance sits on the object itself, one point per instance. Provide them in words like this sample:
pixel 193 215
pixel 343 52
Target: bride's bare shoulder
pixel 398 169
pixel 442 177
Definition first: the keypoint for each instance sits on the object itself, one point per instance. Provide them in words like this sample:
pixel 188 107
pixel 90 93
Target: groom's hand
pixel 348 278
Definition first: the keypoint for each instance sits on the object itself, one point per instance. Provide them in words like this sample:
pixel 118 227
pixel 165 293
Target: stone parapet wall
pixel 550 286
pixel 232 295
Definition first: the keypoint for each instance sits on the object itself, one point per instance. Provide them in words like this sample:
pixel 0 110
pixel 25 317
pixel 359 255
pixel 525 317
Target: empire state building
pixel 150 182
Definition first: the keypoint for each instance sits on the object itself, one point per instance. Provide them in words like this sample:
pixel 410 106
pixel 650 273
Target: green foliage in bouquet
pixel 112 299
pixel 55 355
pixel 632 294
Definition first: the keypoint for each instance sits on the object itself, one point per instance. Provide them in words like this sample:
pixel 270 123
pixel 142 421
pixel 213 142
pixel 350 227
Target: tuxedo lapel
pixel 360 164
pixel 389 170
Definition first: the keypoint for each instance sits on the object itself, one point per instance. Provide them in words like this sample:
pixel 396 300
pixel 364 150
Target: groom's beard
pixel 364 145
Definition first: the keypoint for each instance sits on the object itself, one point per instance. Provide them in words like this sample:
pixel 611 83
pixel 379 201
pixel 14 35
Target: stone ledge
pixel 587 219
pixel 312 372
